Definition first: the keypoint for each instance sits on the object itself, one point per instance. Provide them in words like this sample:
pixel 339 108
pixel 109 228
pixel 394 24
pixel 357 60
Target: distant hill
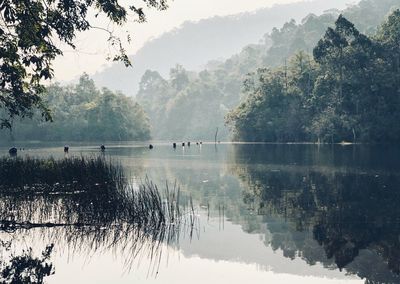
pixel 189 105
pixel 195 43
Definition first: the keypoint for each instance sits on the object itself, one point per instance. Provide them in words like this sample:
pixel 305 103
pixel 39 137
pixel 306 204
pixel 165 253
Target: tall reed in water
pixel 86 204
pixel 48 173
pixel 80 191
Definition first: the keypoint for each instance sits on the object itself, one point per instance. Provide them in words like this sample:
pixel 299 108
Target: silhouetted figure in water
pixel 13 151
pixel 188 144
pixel 183 144
pixel 151 147
pixel 174 145
pixel 201 143
pixel 197 143
pixel 102 148
pixel 66 149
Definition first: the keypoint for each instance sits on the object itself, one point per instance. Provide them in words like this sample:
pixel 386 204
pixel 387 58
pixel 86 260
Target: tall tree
pixel 179 77
pixel 343 53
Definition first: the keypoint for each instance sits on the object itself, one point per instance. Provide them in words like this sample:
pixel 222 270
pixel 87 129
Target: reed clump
pixel 85 204
pixel 52 174
pixel 80 191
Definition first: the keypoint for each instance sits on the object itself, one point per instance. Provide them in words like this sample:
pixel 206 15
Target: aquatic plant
pixel 86 204
pixel 58 174
pixel 80 191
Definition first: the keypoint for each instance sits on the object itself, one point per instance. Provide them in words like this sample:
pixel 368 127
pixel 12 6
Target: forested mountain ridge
pixel 367 15
pixel 176 106
pixel 348 91
pixel 287 99
pixel 195 43
pixel 82 112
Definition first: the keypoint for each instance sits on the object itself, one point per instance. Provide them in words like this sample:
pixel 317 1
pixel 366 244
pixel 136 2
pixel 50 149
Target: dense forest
pixel 228 34
pixel 81 112
pixel 348 91
pixel 330 78
pixel 176 106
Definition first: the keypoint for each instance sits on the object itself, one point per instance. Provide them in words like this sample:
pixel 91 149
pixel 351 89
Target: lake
pixel 264 214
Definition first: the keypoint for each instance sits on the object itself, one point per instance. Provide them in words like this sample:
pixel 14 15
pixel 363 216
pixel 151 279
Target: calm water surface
pixel 265 214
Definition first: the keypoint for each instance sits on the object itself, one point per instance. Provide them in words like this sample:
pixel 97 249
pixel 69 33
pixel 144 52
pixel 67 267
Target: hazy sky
pixel 92 48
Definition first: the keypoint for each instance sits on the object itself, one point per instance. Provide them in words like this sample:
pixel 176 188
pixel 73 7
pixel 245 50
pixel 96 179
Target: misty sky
pixel 92 49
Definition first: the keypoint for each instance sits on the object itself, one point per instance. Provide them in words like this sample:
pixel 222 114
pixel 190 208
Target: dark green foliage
pixel 191 105
pixel 349 92
pixel 292 37
pixel 28 29
pixel 82 112
pixel 282 114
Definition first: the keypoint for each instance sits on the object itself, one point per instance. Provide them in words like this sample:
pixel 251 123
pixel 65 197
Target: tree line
pixel 28 31
pixel 348 90
pixel 191 105
pixel 82 112
pixel 302 98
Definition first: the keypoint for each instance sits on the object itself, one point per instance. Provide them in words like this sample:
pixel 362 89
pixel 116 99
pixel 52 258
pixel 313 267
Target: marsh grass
pixel 53 174
pixel 86 205
pixel 82 191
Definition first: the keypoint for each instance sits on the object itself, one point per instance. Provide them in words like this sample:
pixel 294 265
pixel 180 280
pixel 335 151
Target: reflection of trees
pixel 285 192
pixel 90 221
pixel 82 224
pixel 26 268
pixel 350 214
pixel 105 213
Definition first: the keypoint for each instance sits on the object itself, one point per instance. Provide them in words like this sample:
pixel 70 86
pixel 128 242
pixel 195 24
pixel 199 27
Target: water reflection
pixel 298 210
pixel 83 205
pixel 25 268
pixel 351 211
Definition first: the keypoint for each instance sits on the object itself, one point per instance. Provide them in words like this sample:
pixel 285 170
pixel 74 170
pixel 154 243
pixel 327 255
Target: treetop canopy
pixel 28 29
